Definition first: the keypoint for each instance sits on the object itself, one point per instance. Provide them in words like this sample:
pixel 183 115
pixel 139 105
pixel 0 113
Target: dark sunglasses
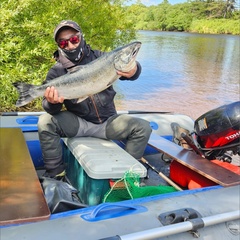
pixel 63 43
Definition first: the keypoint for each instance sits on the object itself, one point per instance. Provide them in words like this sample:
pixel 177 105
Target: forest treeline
pixel 211 16
pixel 26 30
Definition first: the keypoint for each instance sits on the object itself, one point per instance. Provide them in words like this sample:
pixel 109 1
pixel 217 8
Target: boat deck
pixel 22 198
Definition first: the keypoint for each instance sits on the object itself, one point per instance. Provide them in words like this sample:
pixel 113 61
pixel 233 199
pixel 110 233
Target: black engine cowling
pixel 219 127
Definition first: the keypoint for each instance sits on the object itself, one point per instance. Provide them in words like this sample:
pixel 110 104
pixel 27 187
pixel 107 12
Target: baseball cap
pixel 66 23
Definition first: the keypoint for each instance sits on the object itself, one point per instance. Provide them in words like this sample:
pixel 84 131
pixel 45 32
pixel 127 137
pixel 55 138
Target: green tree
pixel 178 18
pixel 161 15
pixel 213 8
pixel 188 16
pixel 26 29
pixel 136 14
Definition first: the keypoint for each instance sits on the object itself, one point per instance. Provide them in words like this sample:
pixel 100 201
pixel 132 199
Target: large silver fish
pixel 85 80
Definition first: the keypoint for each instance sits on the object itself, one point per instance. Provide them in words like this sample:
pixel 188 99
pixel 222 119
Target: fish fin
pixel 81 99
pixel 74 69
pixel 111 82
pixel 24 95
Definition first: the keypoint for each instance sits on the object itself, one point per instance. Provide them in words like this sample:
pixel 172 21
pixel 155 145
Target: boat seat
pixel 21 194
pixel 92 162
pixel 191 160
pixel 103 159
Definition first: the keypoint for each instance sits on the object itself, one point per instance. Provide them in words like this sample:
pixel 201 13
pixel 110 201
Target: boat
pixel 175 193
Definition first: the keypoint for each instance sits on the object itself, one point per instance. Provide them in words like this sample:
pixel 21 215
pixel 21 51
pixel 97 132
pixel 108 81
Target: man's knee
pixel 139 122
pixel 123 126
pixel 147 127
pixel 142 126
pixel 43 121
pixel 64 123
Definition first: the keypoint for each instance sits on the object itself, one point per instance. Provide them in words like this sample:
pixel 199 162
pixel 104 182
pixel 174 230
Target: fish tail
pixel 24 93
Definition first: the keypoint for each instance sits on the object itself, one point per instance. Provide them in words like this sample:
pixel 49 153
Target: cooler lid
pixel 103 159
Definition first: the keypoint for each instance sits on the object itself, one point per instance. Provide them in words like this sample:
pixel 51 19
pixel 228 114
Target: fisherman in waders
pixel 96 116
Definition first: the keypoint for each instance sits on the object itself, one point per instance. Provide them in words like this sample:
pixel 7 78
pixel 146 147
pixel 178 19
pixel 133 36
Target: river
pixel 183 73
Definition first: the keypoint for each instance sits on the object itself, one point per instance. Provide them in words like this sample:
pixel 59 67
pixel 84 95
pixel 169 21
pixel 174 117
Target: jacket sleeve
pixel 136 75
pixel 54 72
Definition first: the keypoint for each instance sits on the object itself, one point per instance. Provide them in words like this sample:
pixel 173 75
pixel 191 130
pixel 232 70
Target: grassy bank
pixel 216 26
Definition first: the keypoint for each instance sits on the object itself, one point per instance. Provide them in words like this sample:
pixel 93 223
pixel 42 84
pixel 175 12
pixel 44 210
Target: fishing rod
pixel 119 112
pixel 22 113
pixel 168 180
pixel 142 112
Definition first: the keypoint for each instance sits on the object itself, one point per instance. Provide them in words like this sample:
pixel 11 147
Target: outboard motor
pixel 218 131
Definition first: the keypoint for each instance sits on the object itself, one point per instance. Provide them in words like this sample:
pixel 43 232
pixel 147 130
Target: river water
pixel 183 73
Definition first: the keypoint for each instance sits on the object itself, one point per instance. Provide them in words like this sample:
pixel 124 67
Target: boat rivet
pixel 233 228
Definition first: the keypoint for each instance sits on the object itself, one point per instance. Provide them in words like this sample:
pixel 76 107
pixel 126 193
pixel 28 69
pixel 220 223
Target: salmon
pixel 85 80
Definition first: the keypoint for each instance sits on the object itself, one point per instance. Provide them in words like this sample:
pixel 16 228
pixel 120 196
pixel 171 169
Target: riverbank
pixel 195 16
pixel 215 26
pixel 205 26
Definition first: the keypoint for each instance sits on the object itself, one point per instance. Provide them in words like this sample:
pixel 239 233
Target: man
pixel 96 116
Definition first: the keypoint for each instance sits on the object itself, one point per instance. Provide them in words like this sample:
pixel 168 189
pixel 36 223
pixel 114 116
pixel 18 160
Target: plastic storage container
pixel 91 162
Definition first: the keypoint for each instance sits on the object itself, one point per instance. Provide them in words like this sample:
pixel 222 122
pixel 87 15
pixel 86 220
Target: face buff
pixel 74 55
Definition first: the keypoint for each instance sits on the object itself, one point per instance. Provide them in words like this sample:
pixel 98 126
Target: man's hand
pixel 128 74
pixel 51 95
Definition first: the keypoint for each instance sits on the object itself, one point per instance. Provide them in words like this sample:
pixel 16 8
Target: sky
pixel 156 2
